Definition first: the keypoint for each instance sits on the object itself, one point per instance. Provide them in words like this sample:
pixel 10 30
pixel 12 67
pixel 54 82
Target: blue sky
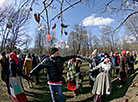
pixel 79 14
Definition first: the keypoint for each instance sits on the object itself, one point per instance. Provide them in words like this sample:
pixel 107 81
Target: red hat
pixel 123 52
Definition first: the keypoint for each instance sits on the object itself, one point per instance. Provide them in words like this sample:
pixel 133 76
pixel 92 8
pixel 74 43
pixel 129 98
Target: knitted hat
pixel 53 50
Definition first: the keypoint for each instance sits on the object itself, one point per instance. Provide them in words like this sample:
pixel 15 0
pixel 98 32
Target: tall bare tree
pixel 77 39
pixel 13 27
pixel 131 30
pixel 131 27
pixel 109 38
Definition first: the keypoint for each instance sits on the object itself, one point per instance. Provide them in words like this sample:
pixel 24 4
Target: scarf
pixel 14 58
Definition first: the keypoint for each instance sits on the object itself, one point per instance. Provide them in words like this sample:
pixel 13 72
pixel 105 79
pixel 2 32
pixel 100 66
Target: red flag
pixel 54 26
pixel 48 38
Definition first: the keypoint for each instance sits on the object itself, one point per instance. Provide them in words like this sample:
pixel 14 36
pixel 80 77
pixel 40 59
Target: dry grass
pixel 41 93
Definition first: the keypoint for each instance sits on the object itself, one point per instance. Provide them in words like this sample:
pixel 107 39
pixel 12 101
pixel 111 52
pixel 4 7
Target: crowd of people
pixel 102 68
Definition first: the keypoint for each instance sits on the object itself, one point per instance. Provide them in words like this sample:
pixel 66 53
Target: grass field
pixel 41 93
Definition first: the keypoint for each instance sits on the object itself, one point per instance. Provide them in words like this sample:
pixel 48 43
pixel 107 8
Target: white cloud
pixel 92 21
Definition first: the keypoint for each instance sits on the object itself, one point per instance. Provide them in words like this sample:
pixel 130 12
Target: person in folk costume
pixel 131 63
pixel 117 63
pixel 27 67
pixel 93 61
pixel 20 67
pixel 102 84
pixel 54 65
pixel 4 61
pixel 123 72
pixel 74 76
pixel 16 89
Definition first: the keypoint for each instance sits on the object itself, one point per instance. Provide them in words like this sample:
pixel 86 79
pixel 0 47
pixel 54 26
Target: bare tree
pixel 41 45
pixel 131 30
pixel 78 39
pixel 109 38
pixel 131 27
pixel 13 28
pixel 63 5
pixel 40 41
pixel 122 6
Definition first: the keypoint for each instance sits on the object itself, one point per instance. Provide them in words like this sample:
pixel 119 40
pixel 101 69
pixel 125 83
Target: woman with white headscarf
pixel 102 84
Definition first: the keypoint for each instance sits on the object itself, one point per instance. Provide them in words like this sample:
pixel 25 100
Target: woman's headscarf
pixel 123 52
pixel 14 57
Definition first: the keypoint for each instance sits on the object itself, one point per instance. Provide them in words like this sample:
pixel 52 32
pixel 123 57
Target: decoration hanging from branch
pixel 48 38
pixel 61 40
pixel 66 33
pixel 58 17
pixel 31 9
pixel 37 17
pixel 9 25
pixel 42 27
pixel 61 32
pixel 64 26
pixel 54 26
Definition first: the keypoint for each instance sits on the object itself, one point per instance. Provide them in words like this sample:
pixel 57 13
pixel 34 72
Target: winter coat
pixel 74 74
pixel 117 60
pixel 14 70
pixel 123 67
pixel 54 66
pixel 5 68
pixel 27 65
pixel 34 61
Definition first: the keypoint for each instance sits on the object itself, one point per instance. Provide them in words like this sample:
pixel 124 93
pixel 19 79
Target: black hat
pixel 53 50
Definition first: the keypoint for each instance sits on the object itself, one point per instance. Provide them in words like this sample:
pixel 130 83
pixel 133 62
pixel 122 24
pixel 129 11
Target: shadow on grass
pixel 120 92
pixel 39 92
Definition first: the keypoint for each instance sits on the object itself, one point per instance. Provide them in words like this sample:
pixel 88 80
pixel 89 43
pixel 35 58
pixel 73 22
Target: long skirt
pixel 102 84
pixel 16 89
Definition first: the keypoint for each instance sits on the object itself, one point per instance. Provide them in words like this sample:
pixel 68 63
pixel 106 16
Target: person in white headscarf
pixel 102 84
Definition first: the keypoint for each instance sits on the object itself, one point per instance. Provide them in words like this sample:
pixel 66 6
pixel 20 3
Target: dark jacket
pixel 123 67
pixel 34 62
pixel 5 68
pixel 117 60
pixel 15 70
pixel 54 66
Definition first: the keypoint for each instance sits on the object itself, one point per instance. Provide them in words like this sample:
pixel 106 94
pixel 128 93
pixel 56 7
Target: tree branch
pixel 125 20
pixel 65 9
pixel 46 6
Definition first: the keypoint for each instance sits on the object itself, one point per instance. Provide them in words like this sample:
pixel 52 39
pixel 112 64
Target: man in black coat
pixel 54 66
pixel 5 69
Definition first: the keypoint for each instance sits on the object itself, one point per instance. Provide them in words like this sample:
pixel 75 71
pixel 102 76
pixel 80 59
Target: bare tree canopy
pixel 13 27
